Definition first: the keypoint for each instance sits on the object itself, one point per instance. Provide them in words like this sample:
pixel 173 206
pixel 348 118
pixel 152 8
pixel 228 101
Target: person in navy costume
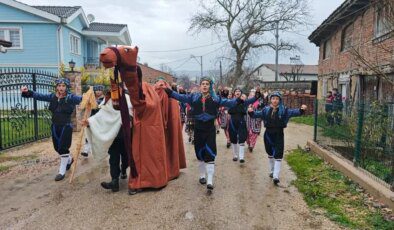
pixel 205 105
pixel 275 117
pixel 61 104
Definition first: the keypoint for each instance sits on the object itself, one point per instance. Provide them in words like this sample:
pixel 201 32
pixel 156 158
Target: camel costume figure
pixel 148 139
pixel 176 159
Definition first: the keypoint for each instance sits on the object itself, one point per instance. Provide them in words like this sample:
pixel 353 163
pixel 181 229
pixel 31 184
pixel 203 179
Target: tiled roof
pixel 150 75
pixel 105 27
pixel 61 11
pixel 348 10
pixel 307 69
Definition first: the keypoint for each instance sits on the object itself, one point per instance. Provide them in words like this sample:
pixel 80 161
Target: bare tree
pixel 247 25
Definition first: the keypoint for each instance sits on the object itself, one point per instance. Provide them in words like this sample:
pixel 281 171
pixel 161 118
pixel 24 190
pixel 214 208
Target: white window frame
pixel 78 45
pixel 7 37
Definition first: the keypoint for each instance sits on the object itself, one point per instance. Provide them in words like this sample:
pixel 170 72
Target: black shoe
pixel 69 165
pixel 250 149
pixel 59 177
pixel 134 191
pixel 271 175
pixel 202 181
pixel 217 131
pixel 113 185
pixel 210 187
pixel 190 139
pixel 235 158
pixel 228 145
pixel 242 161
pixel 85 154
pixel 276 181
pixel 123 176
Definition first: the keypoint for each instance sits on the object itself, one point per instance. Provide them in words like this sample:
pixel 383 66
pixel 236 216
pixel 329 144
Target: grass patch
pixel 4 168
pixel 4 158
pixel 323 187
pixel 17 132
pixel 307 120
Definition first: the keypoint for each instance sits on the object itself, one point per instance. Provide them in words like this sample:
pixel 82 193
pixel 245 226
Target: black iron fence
pixel 360 132
pixel 23 120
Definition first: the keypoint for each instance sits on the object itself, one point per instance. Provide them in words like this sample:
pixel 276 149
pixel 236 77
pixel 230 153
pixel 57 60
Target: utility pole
pixel 277 51
pixel 199 62
pixel 201 68
pixel 221 73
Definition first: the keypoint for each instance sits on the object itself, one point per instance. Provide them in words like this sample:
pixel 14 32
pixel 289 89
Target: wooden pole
pixel 87 102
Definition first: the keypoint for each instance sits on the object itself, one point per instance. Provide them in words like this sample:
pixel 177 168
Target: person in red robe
pixel 176 159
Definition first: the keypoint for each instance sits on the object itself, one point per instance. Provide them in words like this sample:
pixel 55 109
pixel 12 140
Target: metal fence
pixel 23 120
pixel 360 132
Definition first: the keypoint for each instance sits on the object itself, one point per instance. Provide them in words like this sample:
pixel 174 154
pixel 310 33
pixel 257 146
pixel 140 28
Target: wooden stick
pixel 86 114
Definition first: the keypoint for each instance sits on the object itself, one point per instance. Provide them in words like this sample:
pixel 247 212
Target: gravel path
pixel 244 197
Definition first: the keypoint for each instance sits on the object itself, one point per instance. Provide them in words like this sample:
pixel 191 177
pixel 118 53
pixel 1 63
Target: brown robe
pixel 148 139
pixel 176 158
pixel 157 158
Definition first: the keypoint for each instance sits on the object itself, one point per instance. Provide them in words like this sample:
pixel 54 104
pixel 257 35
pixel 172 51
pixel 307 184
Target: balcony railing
pixel 92 62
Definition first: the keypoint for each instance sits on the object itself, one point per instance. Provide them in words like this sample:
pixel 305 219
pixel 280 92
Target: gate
pixel 24 120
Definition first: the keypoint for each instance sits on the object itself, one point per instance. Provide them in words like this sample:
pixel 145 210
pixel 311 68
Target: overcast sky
pixel 157 25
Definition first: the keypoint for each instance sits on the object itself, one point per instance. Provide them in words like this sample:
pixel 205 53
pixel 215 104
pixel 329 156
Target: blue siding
pixel 67 55
pixel 39 45
pixel 77 24
pixel 10 13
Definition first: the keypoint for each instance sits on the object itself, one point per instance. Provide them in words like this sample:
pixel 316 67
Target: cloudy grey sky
pixel 157 25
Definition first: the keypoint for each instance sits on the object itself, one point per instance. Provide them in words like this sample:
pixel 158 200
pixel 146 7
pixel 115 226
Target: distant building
pixel 287 73
pixel 150 74
pixel 43 37
pixel 357 26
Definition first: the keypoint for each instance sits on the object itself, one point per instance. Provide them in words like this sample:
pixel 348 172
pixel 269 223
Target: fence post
pixel 360 121
pixel 315 111
pixel 34 76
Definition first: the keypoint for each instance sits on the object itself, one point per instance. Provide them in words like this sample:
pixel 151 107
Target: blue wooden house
pixel 43 37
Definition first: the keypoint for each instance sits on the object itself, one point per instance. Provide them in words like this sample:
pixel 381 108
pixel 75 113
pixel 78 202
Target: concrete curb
pixel 377 190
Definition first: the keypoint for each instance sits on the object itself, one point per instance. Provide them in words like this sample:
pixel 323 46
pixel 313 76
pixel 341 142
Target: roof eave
pixel 322 31
pixel 76 14
pixel 31 10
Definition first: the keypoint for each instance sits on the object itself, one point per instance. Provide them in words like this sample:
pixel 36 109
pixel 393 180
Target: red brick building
pixel 150 74
pixel 356 43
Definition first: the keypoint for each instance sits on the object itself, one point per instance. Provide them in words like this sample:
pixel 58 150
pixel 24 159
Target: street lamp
pixel 71 64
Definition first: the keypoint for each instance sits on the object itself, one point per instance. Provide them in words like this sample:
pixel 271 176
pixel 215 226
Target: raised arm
pixel 74 99
pixel 250 101
pixel 185 98
pixel 38 96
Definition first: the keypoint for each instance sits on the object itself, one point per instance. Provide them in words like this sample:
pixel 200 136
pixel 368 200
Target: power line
pixel 183 49
pixel 182 64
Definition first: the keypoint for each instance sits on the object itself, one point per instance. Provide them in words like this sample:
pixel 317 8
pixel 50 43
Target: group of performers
pixel 140 125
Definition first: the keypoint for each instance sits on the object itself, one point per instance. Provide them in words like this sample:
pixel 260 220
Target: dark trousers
pixel 117 154
pixel 274 143
pixel 61 138
pixel 205 143
pixel 238 131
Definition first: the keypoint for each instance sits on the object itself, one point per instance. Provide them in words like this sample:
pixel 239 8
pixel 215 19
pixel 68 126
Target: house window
pixel 327 49
pixel 13 35
pixel 347 36
pixel 383 22
pixel 75 44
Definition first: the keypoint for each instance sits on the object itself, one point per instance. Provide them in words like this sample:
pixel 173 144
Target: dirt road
pixel 244 198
